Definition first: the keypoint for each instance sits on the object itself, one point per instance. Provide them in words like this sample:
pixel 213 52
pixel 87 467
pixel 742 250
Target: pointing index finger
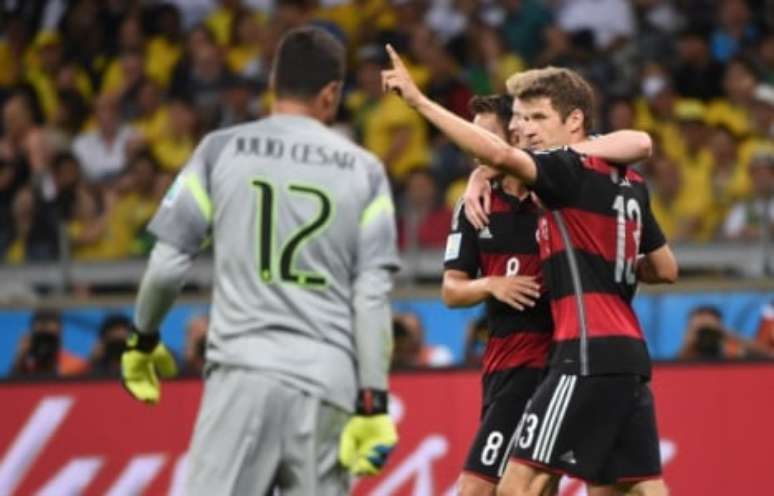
pixel 396 60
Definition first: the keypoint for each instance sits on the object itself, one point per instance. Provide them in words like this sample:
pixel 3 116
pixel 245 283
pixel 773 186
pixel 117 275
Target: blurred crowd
pixel 42 353
pixel 705 338
pixel 104 100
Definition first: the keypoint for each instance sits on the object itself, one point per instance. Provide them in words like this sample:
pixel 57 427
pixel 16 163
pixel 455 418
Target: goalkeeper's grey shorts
pixel 257 436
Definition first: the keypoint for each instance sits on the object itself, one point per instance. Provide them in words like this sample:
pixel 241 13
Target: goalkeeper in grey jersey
pixel 302 227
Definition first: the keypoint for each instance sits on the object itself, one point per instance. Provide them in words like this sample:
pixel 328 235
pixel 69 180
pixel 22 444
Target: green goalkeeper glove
pixel 369 436
pixel 144 361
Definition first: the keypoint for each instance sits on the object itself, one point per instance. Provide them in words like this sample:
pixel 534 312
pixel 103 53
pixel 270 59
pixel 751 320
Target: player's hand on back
pixel 520 292
pixel 398 80
pixel 478 197
pixel 145 360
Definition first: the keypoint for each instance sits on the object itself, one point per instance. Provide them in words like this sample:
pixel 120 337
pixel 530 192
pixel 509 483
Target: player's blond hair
pixel 566 90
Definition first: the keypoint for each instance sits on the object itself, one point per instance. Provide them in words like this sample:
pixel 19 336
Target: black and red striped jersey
pixel 599 222
pixel 507 246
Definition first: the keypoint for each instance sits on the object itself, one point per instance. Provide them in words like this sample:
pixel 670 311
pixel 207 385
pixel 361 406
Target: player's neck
pixel 295 107
pixel 577 138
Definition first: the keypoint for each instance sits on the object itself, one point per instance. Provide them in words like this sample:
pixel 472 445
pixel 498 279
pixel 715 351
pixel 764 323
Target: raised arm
pixel 483 144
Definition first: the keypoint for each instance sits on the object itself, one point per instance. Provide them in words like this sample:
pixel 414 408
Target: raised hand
pixel 398 79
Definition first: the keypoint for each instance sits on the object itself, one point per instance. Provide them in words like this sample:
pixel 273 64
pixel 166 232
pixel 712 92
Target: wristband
pixel 371 402
pixel 141 341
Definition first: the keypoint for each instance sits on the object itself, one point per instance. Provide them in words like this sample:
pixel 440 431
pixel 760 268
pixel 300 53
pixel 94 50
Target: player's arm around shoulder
pixel 623 147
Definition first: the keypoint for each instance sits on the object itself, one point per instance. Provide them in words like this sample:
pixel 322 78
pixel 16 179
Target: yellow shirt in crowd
pixel 128 216
pixel 380 120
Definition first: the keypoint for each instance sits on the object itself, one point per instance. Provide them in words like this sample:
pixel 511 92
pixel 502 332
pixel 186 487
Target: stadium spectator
pixel 34 236
pixel 765 58
pixel 195 344
pixel 240 104
pixel 523 26
pixel 110 225
pixel 424 218
pixel 707 338
pixel 382 122
pixel 126 70
pixel 753 218
pixel 764 336
pixel 696 73
pixel 172 146
pixel 201 78
pixel 40 351
pixel 164 48
pixel 87 229
pixel 610 21
pixel 222 19
pixel 246 49
pixel 153 117
pixel 106 354
pixel 675 210
pixel 410 349
pixel 71 114
pixel 476 337
pixel 621 114
pixel 23 143
pixel 735 31
pixel 104 151
pixel 694 159
pixel 24 154
pixel 445 83
pixel 47 72
pixel 739 83
pixel 490 63
pixel 12 48
pixel 730 180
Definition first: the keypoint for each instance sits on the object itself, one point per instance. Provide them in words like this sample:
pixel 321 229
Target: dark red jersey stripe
pixel 591 232
pixel 606 314
pixel 518 349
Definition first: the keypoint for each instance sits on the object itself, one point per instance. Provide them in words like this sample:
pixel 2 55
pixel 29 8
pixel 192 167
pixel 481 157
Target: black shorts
pixel 488 454
pixel 601 429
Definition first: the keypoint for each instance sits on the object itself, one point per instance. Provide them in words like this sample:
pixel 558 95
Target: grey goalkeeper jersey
pixel 295 212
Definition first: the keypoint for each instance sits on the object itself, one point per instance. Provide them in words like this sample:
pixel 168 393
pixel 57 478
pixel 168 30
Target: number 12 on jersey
pixel 267 232
pixel 627 211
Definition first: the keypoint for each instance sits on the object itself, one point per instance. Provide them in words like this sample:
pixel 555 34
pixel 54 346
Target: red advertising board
pixel 91 438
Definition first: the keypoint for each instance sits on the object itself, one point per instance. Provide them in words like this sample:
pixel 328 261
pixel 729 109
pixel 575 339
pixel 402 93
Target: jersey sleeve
pixel 559 173
pixel 377 236
pixel 461 245
pixel 185 215
pixel 652 237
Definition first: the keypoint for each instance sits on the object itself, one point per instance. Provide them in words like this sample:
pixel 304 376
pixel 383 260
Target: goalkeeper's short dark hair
pixel 500 105
pixel 307 59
